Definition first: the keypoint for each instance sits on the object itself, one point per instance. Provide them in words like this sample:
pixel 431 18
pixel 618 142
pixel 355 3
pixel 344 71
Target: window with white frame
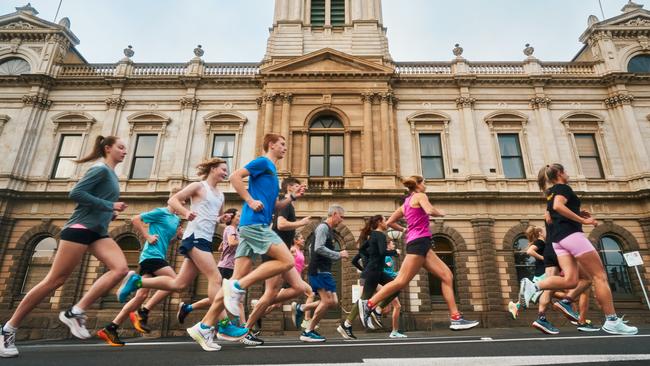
pixel 223 146
pixel 585 133
pixel 429 132
pixel 71 131
pixel 143 157
pixel 510 144
pixel 431 156
pixel 512 160
pixel 147 130
pixel 67 153
pixel 588 155
pixel 224 131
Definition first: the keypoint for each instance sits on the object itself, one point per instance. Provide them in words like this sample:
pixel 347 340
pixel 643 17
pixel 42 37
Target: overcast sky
pixel 236 30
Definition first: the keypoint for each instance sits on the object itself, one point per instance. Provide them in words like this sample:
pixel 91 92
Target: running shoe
pixel 252 340
pixel 376 319
pixel 527 291
pixel 462 324
pixel 305 324
pixel 8 344
pixel 230 332
pixel 204 337
pixel 588 327
pixel 364 314
pixel 536 296
pixel 139 322
pixel 345 332
pixel 183 312
pixel 132 282
pixel 232 297
pixel 297 315
pixel 618 326
pixel 545 326
pixel 110 336
pixel 76 323
pixel 397 334
pixel 311 337
pixel 567 310
pixel 513 309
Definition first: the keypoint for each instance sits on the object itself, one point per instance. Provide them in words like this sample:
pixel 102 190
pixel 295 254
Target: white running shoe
pixel 232 297
pixel 8 344
pixel 76 323
pixel 528 292
pixel 204 337
pixel 618 326
pixel 397 334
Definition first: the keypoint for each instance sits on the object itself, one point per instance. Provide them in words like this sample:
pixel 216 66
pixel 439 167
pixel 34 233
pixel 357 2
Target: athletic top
pixel 289 213
pixel 228 251
pixel 202 227
pixel 389 267
pixel 263 185
pixel 361 259
pixel 562 226
pixel 540 268
pixel 377 252
pixel 95 194
pixel 299 260
pixel 164 224
pixel 417 221
pixel 322 250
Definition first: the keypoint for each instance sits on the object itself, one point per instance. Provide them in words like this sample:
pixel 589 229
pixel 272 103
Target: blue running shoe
pixel 132 282
pixel 311 337
pixel 545 326
pixel 297 315
pixel 230 332
pixel 566 310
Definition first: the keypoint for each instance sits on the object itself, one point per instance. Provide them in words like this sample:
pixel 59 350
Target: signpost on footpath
pixel 634 259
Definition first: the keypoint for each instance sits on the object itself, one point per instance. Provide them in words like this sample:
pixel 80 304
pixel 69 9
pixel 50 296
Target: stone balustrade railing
pixel 496 68
pixel 417 68
pixel 325 183
pixel 87 70
pixel 568 68
pixel 231 69
pixel 159 69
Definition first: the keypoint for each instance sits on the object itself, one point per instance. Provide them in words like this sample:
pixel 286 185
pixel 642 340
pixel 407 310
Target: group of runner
pixel 266 228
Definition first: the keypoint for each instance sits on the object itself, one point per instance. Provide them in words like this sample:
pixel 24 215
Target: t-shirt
pixel 562 226
pixel 164 224
pixel 539 264
pixel 289 213
pixel 389 267
pixel 263 186
pixel 228 251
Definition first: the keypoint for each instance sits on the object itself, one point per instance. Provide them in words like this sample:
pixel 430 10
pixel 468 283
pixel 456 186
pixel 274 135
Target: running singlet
pixel 263 186
pixel 164 224
pixel 228 251
pixel 202 227
pixel 562 226
pixel 417 221
pixel 299 260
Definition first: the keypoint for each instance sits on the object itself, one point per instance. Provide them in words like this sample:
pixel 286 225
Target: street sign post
pixel 633 259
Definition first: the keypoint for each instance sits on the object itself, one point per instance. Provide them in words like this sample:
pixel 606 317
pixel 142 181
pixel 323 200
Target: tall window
pixel 64 164
pixel 130 245
pixel 431 155
pixel 326 147
pixel 639 64
pixel 39 263
pixel 318 12
pixel 511 158
pixel 145 148
pixel 223 146
pixel 14 66
pixel 524 264
pixel 615 266
pixel 444 250
pixel 588 155
pixel 337 14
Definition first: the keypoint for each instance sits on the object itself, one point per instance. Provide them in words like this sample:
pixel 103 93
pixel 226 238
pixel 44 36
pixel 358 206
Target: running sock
pixel 541 316
pixel 8 328
pixel 76 310
pixel 456 316
pixel 203 326
pixel 611 317
pixel 236 285
pixel 112 327
pixel 378 309
pixel 347 323
pixel 144 311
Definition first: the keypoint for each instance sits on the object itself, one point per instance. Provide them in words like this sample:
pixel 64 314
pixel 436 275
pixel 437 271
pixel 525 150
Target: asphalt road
pixel 481 347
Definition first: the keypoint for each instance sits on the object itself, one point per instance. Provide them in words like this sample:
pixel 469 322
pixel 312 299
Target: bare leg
pixel 583 306
pixel 185 276
pixel 109 253
pixel 438 268
pixel 592 265
pixel 396 310
pixel 410 267
pixel 133 304
pixel 243 266
pixel 271 290
pixel 282 262
pixel 327 300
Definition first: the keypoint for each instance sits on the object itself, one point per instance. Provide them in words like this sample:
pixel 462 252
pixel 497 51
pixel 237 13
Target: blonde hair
pixel 204 168
pixel 412 182
pixel 533 233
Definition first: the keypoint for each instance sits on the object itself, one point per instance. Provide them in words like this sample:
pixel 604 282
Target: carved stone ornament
pixel 465 102
pixel 27 9
pixel 618 100
pixel 458 50
pixel 638 22
pixel 529 50
pixel 36 101
pixel 286 97
pixel 112 102
pixel 129 52
pixel 270 97
pixel 643 42
pixel 65 22
pixel 20 25
pixel 190 102
pixel 367 97
pixel 198 51
pixel 538 102
pixel 14 45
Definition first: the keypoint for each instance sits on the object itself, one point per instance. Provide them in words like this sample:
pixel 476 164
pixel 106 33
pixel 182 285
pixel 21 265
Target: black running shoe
pixel 376 318
pixel 345 332
pixel 182 312
pixel 110 336
pixel 252 340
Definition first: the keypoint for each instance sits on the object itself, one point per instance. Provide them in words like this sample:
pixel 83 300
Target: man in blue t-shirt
pixel 256 236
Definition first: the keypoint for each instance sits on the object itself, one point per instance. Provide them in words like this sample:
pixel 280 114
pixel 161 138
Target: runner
pixel 96 195
pixel 417 209
pixel 257 238
pixel 573 248
pixel 536 248
pixel 205 211
pixel 164 226
pixel 389 269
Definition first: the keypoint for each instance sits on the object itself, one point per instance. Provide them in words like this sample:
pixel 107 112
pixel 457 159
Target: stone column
pixel 385 132
pixel 367 158
pixel 189 106
pixel 347 153
pixel 33 115
pixel 305 153
pixel 269 99
pixel 489 275
pixel 328 13
pixel 628 133
pixel 392 130
pixel 115 105
pixel 546 127
pixel 472 154
pixel 284 129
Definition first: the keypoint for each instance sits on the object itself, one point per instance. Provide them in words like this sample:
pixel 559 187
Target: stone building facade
pixel 356 121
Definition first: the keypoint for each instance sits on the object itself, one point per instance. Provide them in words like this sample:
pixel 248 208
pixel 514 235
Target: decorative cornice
pixel 618 100
pixel 190 102
pixel 367 97
pixel 36 101
pixel 538 102
pixel 115 102
pixel 465 102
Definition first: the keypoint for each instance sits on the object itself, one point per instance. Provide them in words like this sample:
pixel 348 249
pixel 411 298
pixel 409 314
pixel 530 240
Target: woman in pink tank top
pixel 419 254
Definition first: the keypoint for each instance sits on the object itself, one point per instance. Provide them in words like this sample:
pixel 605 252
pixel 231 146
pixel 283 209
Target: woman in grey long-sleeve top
pixel 96 195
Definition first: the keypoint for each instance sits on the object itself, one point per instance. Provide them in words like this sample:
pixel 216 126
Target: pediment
pixel 640 19
pixel 21 22
pixel 327 61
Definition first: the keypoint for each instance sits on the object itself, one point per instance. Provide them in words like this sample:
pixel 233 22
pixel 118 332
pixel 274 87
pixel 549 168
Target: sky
pixel 237 30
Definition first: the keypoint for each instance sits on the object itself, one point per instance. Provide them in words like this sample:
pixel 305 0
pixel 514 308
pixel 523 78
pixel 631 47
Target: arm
pixel 282 203
pixel 532 251
pixel 286 225
pixel 559 205
pixel 392 221
pixel 423 201
pixel 176 201
pixel 319 244
pixel 140 226
pixel 356 261
pixel 232 240
pixel 237 182
pixel 80 192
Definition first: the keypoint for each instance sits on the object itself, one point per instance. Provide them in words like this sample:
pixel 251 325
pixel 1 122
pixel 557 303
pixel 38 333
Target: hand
pixel 119 206
pixel 190 215
pixel 305 220
pixel 344 253
pixel 256 205
pixel 300 191
pixel 114 216
pixel 590 221
pixel 225 217
pixel 585 214
pixel 152 239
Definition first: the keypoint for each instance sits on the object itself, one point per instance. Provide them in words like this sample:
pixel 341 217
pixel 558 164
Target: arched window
pixel 39 263
pixel 326 147
pixel 445 251
pixel 14 66
pixel 130 245
pixel 615 266
pixel 524 264
pixel 639 64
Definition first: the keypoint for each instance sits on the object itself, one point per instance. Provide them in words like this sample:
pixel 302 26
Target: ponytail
pixel 412 182
pixel 533 233
pixel 99 148
pixel 548 175
pixel 371 224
